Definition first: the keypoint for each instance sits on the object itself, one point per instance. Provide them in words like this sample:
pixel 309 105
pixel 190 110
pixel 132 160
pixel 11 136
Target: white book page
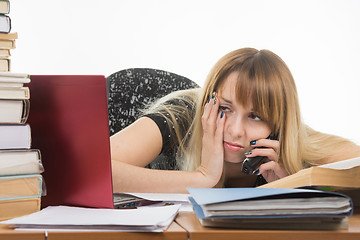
pixel 345 164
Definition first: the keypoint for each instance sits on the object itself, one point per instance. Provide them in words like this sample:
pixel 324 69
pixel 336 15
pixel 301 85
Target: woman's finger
pixel 219 132
pixel 268 143
pixel 210 115
pixel 272 169
pixel 265 152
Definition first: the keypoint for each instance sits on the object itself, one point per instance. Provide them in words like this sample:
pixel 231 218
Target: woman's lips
pixel 233 147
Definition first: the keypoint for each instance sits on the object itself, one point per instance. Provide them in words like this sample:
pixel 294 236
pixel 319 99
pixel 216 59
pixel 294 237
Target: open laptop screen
pixel 69 124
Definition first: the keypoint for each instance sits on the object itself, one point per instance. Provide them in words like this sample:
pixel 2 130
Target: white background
pixel 318 39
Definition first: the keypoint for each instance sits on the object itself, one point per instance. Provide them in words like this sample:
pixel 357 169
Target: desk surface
pixel 197 232
pixel 10 234
pixel 186 224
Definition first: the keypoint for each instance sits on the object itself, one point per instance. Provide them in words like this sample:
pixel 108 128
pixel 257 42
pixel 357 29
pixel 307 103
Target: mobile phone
pixel 249 165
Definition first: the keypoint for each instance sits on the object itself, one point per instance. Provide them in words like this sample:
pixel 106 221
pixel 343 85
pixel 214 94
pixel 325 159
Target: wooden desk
pixel 10 234
pixel 197 232
pixel 175 232
pixel 186 226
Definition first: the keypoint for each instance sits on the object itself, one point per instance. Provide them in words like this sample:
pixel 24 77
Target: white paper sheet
pixel 63 217
pixel 345 164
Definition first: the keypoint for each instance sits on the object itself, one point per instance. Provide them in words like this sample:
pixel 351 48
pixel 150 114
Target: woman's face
pixel 242 124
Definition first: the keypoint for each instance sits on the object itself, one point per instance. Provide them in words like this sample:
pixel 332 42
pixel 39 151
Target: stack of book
pixel 21 181
pixel 7 39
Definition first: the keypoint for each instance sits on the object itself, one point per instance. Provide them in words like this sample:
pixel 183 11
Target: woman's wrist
pixel 205 179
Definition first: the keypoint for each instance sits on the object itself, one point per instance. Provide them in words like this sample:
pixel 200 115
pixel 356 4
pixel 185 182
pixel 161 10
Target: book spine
pixel 20 162
pixel 18 207
pixel 20 186
pixel 5 6
pixel 14 77
pixel 5 23
pixel 14 111
pixel 15 136
pixel 15 93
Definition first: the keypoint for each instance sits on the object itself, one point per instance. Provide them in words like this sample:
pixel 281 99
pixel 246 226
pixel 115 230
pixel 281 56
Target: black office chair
pixel 131 89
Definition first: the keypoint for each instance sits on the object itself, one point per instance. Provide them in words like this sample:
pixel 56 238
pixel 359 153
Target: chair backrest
pixel 132 89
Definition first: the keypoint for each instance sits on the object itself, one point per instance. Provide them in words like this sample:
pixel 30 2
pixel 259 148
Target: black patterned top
pixel 166 126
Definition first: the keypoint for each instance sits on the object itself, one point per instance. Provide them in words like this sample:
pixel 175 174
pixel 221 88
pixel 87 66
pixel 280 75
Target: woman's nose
pixel 236 127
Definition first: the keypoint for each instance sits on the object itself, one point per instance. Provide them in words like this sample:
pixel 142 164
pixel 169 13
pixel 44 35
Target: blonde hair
pixel 178 110
pixel 265 81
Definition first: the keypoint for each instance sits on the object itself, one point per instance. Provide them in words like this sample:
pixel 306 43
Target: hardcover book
pixel 12 35
pixel 14 77
pixel 20 186
pixel 15 162
pixel 15 136
pixel 5 23
pixel 6 43
pixel 343 174
pixel 12 80
pixel 14 93
pixel 4 64
pixel 18 207
pixel 4 6
pixel 343 177
pixel 14 111
pixel 5 53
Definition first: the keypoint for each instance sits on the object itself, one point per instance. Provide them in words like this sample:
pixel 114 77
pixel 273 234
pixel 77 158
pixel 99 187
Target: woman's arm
pixel 136 146
pixel 129 178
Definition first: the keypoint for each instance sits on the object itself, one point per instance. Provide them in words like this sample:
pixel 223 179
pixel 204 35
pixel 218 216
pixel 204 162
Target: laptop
pixel 69 125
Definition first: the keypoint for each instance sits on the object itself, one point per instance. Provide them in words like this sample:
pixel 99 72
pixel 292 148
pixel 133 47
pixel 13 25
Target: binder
pixel 259 208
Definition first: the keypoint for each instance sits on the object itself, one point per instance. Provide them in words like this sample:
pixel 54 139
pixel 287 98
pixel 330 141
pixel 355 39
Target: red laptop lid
pixel 69 124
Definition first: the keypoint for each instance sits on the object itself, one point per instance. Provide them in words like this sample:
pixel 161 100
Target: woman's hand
pixel 212 155
pixel 272 169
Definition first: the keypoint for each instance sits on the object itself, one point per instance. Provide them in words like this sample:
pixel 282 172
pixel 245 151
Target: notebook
pixel 69 124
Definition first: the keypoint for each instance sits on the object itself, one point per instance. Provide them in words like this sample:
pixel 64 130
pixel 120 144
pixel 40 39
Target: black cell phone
pixel 249 165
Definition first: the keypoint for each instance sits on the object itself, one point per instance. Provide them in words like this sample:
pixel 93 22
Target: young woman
pixel 248 107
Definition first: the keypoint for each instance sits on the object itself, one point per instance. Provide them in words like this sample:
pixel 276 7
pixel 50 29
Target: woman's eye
pixel 255 117
pixel 223 108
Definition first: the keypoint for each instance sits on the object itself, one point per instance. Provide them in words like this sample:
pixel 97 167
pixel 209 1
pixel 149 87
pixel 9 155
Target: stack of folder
pixel 21 182
pixel 270 208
